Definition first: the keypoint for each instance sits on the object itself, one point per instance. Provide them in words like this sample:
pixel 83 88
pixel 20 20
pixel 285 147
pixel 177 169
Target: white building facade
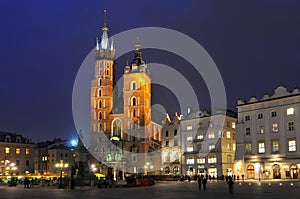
pixel 268 136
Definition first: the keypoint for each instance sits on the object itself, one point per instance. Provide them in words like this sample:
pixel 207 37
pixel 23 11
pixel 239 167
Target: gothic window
pixel 100 104
pixel 99 93
pixel 133 101
pixel 107 72
pixel 133 85
pixel 100 116
pixel 100 82
pixel 117 128
pixel 133 113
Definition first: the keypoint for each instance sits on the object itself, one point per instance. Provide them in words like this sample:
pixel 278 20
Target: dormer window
pixel 7 138
pixel 28 140
pixel 18 139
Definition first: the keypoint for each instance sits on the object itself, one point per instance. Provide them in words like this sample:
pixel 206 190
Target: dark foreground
pixel 163 190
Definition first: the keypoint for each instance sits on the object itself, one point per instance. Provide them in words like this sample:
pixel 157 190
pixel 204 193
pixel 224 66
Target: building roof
pixel 14 137
pixel 279 93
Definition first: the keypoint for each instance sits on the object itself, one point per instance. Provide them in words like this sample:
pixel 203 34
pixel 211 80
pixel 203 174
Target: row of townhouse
pixel 261 142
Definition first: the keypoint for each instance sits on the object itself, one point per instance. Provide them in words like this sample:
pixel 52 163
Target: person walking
pixel 204 181
pixel 230 185
pixel 199 180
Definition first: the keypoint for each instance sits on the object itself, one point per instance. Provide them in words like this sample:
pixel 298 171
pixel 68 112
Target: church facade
pixel 123 135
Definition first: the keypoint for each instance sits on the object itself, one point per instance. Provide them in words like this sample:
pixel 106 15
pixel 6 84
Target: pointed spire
pixel 97 44
pixel 105 28
pixel 104 39
pixel 112 44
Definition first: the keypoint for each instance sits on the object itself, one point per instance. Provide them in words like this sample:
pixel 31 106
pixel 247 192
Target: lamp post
pixel 61 165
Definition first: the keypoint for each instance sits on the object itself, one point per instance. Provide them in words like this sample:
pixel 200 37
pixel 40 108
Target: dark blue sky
pixel 255 44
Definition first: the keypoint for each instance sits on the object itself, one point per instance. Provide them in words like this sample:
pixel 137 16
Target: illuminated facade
pixel 268 138
pixel 171 146
pixel 208 143
pixel 122 131
pixel 17 150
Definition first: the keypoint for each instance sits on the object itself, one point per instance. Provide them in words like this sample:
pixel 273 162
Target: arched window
pixel 7 138
pixel 133 101
pixel 18 139
pixel 107 72
pixel 116 128
pixel 133 85
pixel 99 93
pixel 100 116
pixel 100 104
pixel 133 114
pixel 100 82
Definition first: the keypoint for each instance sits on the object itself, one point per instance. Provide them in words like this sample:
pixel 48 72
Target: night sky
pixel 255 44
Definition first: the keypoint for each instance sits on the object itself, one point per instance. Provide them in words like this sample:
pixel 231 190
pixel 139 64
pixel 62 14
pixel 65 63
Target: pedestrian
pixel 199 180
pixel 230 185
pixel 204 181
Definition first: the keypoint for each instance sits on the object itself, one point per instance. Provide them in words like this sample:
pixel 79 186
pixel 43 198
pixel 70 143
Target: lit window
pixel 248 148
pixel 27 151
pixel 18 150
pixel 228 134
pixel 211 135
pixel 290 111
pixel 228 147
pixel 275 128
pixel 275 146
pixel 273 114
pixel 190 161
pixel 292 145
pixel 211 147
pixel 291 126
pixel 7 150
pixel 189 128
pixel 189 138
pixel 200 136
pixel 261 147
pixel 247 117
pixel 248 131
pixel 233 125
pixel 201 160
pixel 260 129
pixel 189 148
pixel 233 146
pixel 260 116
pixel 212 159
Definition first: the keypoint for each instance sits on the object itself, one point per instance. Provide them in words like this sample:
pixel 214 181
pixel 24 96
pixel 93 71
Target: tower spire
pixel 104 39
pixel 105 28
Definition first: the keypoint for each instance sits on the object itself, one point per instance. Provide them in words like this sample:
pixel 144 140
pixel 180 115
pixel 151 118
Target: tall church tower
pixel 137 97
pixel 102 85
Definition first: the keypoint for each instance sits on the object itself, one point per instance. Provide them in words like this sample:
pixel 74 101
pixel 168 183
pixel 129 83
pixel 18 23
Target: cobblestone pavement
pixel 162 190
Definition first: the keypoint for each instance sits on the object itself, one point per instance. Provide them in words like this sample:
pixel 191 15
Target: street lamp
pixel 61 165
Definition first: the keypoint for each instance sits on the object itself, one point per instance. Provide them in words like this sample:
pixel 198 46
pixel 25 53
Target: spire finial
pixel 104 12
pixel 105 28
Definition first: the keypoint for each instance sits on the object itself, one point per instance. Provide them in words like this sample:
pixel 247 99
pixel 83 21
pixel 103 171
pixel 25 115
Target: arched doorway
pixel 294 171
pixel 176 170
pixel 250 172
pixel 167 170
pixel 276 171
